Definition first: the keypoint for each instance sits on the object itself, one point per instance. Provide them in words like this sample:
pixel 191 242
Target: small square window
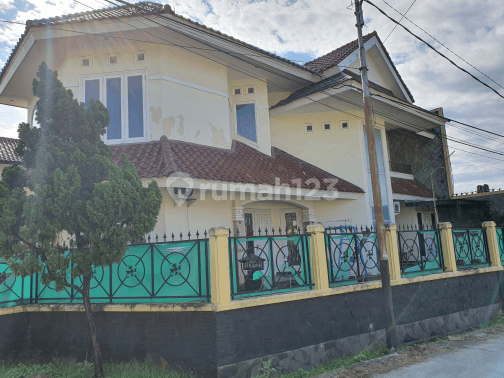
pixel 113 59
pixel 345 125
pixel 327 126
pixel 250 90
pixel 237 91
pixel 85 61
pixel 309 128
pixel 141 56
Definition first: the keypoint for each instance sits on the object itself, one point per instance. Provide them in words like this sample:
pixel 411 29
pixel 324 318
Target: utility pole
pixel 375 183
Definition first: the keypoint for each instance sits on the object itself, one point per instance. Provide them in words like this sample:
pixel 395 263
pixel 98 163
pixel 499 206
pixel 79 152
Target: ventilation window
pixel 309 128
pixel 237 91
pixel 113 59
pixel 141 57
pixel 345 125
pixel 85 61
pixel 250 90
pixel 327 126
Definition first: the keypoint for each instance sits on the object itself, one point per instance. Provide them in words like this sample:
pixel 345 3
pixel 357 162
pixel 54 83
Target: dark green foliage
pixel 69 187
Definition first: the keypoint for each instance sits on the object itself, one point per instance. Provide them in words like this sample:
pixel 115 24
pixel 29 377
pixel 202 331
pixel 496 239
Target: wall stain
pixel 156 114
pixel 168 125
pixel 181 127
pixel 197 134
pixel 218 137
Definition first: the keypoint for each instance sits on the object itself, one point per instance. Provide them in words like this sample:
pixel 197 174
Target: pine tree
pixel 69 186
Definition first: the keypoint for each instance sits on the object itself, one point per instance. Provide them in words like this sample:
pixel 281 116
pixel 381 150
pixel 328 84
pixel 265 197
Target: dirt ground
pixel 412 355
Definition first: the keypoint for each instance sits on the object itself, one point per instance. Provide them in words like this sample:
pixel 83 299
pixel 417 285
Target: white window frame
pixel 239 94
pixel 110 56
pixel 140 52
pixel 124 102
pixel 81 58
pixel 247 92
pixel 327 123
pixel 345 128
pixel 306 128
pixel 239 136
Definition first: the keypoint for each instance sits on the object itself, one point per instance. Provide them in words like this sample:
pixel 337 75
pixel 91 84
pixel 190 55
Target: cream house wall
pixel 186 95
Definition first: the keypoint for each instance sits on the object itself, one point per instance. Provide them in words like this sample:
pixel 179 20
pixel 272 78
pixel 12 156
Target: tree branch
pixel 31 245
pixel 75 287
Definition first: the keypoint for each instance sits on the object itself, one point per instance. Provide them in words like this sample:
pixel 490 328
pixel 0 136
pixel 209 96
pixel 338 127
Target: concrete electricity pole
pixel 375 183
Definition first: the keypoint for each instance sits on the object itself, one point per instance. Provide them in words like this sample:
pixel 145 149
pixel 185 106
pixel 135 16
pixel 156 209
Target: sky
pixel 302 30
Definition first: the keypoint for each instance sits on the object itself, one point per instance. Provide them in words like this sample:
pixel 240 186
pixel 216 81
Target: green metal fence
pixel 471 248
pixel 500 240
pixel 269 264
pixel 148 273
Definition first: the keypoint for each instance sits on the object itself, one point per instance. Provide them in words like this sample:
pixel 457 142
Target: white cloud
pixel 319 26
pixel 8 130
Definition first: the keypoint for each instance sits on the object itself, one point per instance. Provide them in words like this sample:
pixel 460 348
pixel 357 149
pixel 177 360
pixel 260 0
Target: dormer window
pixel 124 98
pixel 246 121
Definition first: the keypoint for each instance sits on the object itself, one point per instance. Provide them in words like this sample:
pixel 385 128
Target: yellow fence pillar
pixel 450 261
pixel 220 278
pixel 393 251
pixel 493 244
pixel 318 256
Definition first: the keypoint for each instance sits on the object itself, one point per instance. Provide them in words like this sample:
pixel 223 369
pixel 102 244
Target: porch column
pixel 318 256
pixel 220 278
pixel 493 244
pixel 450 261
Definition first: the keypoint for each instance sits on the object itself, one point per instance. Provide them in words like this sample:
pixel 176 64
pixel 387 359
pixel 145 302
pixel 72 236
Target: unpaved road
pixel 478 354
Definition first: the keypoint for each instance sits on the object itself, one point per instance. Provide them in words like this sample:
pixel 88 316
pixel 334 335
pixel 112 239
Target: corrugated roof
pixel 149 8
pixel 7 154
pixel 335 57
pixel 409 187
pixel 241 164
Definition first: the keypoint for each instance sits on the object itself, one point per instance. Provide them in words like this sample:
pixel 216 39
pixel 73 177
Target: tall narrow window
pixel 114 108
pixel 92 89
pixel 245 121
pixel 381 171
pixel 135 107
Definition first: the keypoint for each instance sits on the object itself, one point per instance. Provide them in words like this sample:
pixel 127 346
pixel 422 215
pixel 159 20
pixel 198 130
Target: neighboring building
pixel 237 118
pixel 7 155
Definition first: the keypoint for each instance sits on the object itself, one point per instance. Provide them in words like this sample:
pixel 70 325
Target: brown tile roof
pixel 148 7
pixel 240 164
pixel 337 56
pixel 7 147
pixel 409 187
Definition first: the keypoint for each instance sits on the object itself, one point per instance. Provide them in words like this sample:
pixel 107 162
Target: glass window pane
pixel 384 196
pixel 114 108
pixel 245 120
pixel 92 89
pixel 379 151
pixel 135 107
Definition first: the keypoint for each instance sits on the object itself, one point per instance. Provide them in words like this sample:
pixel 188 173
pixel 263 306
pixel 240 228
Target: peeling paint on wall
pixel 168 125
pixel 218 137
pixel 181 126
pixel 197 134
pixel 156 114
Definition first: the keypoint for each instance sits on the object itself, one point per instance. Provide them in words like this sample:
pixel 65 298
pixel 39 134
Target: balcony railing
pixel 401 168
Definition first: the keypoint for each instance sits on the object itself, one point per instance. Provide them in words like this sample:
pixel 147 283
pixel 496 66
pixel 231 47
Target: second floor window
pixel 246 121
pixel 123 96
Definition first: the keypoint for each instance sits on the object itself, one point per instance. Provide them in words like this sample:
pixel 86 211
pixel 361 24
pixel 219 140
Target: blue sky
pixel 303 29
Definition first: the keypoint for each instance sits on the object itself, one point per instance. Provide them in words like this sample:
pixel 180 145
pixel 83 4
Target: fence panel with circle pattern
pixel 471 248
pixel 176 271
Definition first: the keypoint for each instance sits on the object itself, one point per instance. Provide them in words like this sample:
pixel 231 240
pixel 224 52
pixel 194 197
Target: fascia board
pixel 409 109
pixel 404 197
pixel 21 54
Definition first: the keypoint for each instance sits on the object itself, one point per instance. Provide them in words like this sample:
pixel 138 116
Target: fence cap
pixel 445 225
pixel 489 224
pixel 218 231
pixel 312 228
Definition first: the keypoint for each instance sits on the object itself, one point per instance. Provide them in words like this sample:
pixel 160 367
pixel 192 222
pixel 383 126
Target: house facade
pixel 235 136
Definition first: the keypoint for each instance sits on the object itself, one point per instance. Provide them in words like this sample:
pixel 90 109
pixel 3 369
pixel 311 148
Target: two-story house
pixel 234 135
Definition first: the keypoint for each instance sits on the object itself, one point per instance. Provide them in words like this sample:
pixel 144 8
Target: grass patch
pixel 338 363
pixel 72 369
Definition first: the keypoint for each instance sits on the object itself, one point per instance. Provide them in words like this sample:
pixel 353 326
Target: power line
pixel 477 162
pixel 395 26
pixel 446 47
pixel 432 48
